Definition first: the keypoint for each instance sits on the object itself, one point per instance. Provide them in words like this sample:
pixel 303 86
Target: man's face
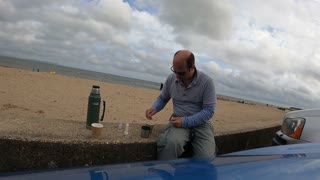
pixel 181 70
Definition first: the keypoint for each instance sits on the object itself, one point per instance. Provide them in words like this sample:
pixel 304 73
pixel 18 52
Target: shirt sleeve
pixel 199 118
pixel 160 103
pixel 164 96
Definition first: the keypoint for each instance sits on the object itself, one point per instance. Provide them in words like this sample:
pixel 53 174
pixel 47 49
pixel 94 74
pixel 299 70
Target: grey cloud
pixel 284 89
pixel 51 32
pixel 211 19
pixel 253 60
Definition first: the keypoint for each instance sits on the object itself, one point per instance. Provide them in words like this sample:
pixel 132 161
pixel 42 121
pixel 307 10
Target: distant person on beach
pixel 194 100
pixel 161 86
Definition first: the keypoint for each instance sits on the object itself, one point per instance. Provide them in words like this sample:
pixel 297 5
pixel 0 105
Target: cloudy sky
pixel 267 51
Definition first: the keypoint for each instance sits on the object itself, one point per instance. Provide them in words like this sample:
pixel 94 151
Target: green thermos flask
pixel 94 107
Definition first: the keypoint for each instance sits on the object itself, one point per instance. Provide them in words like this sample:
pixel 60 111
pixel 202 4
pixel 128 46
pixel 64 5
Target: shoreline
pixel 147 85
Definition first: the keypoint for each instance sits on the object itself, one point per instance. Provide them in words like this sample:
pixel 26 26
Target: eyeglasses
pixel 179 73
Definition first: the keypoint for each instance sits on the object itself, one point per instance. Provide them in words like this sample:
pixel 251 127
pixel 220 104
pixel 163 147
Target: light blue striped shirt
pixel 195 104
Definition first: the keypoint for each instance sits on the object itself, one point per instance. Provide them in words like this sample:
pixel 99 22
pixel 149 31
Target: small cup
pixel 145 131
pixel 151 125
pixel 96 130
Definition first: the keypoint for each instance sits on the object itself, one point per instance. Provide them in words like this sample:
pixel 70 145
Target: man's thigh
pixel 173 134
pixel 203 142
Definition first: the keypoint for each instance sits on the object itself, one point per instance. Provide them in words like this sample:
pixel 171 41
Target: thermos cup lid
pixel 94 86
pixel 97 125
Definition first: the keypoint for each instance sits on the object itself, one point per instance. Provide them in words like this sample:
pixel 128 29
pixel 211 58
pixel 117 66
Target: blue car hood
pixel 284 162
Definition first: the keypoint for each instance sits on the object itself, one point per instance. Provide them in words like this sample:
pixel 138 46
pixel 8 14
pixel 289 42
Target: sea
pixel 35 65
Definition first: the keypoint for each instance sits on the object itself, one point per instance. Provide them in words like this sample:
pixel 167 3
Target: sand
pixel 40 104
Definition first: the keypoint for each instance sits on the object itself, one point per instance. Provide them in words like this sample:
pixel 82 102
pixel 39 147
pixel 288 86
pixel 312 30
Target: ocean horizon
pixel 36 65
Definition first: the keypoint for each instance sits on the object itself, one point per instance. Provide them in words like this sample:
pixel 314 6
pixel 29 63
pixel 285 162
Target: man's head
pixel 183 64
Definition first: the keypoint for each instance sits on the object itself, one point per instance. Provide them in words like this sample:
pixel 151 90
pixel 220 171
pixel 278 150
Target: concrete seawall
pixel 20 154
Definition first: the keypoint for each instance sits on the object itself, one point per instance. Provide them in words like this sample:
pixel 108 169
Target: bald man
pixel 194 99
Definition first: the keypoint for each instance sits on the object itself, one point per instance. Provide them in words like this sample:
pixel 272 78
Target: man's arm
pixel 199 118
pixel 160 103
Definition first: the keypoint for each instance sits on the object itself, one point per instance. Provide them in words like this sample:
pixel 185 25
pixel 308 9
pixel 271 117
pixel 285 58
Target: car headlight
pixel 293 127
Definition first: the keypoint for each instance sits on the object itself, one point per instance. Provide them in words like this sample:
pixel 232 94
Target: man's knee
pixel 175 143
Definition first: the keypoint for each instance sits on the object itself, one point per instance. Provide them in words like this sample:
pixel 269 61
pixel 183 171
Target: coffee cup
pixel 96 130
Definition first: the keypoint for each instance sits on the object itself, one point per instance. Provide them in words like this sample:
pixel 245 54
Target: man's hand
pixel 150 112
pixel 176 121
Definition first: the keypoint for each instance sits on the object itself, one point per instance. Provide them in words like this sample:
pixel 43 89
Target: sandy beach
pixel 40 102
